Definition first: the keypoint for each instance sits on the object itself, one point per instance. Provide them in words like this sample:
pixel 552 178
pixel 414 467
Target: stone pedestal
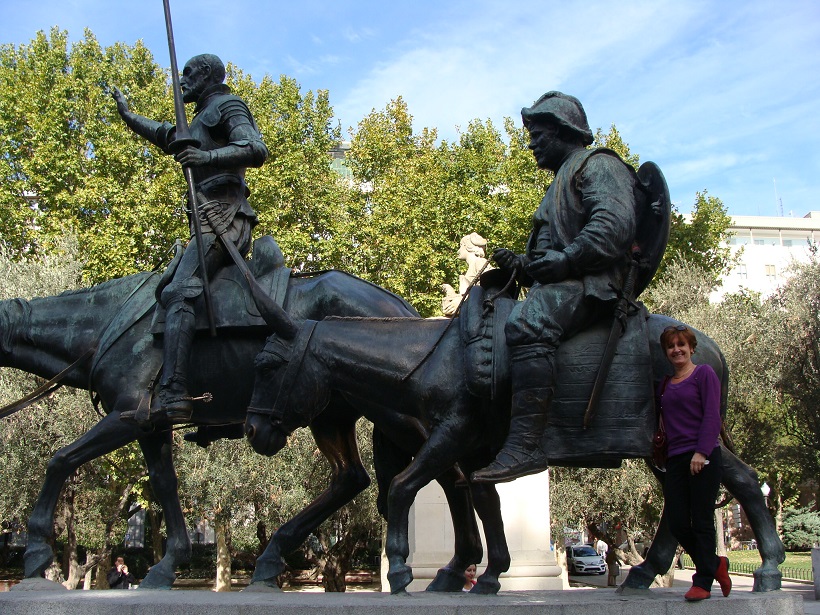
pixel 598 601
pixel 525 508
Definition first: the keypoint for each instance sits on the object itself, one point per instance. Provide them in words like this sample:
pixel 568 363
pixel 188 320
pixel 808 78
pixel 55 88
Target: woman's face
pixel 678 351
pixel 470 572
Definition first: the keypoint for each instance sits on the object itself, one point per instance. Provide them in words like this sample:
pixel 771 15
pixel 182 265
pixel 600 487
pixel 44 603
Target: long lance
pixel 183 139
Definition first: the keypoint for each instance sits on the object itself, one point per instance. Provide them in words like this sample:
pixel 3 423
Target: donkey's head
pixel 287 393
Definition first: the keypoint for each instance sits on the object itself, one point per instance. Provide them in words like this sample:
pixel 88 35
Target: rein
pixel 45 389
pixel 455 314
pixel 56 382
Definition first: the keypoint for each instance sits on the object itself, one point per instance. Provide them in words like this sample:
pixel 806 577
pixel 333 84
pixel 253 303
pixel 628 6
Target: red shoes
pixel 696 593
pixel 722 576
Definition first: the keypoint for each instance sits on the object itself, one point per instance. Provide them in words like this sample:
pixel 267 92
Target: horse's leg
pixel 444 447
pixel 468 549
pixel 336 438
pixel 106 436
pixel 488 506
pixel 157 449
pixel 660 555
pixel 741 481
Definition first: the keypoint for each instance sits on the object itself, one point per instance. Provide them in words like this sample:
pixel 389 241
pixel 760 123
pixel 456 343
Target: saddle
pixel 625 420
pixel 232 303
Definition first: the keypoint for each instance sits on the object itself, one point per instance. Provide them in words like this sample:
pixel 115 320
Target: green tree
pixel 92 506
pixel 702 241
pixel 801 528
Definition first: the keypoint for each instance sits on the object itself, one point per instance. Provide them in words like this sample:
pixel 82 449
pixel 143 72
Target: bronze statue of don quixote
pixel 506 388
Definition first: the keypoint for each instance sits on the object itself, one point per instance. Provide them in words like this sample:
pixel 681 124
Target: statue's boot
pixel 172 403
pixel 521 454
pixel 175 403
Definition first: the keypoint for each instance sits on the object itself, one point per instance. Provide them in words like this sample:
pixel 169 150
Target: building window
pixel 787 243
pixel 771 272
pixel 758 242
pixel 742 272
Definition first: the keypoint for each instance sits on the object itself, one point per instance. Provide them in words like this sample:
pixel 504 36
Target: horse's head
pixel 286 395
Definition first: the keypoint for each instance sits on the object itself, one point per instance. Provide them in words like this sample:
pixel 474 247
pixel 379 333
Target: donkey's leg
pixel 741 481
pixel 335 435
pixel 444 447
pixel 468 549
pixel 488 506
pixel 660 555
pixel 158 452
pixel 106 436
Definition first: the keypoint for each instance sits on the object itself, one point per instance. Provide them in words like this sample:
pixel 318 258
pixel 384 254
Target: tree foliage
pixel 801 528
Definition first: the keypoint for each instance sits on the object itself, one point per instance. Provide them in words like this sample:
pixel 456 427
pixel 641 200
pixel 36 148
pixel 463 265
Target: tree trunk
pixel 156 536
pixel 721 545
pixel 87 577
pixel 333 573
pixel 223 557
pixel 70 558
pixel 262 537
pixel 101 572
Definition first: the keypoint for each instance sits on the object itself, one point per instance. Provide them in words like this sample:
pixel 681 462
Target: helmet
pixel 560 109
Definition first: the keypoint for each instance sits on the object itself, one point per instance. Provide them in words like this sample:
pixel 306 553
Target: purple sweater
pixel 691 412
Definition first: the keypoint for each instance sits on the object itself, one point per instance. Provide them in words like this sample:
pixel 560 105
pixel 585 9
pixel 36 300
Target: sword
pixel 618 329
pixel 183 139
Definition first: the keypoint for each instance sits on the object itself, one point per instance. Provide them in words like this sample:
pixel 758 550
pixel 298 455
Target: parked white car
pixel 582 559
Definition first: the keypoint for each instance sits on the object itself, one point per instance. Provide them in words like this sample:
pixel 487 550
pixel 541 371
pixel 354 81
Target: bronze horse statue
pixel 108 328
pixel 414 370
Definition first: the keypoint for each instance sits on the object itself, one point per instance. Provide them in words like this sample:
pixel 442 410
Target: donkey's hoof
pixel 639 577
pixel 767 579
pixel 37 558
pixel 488 586
pixel 399 578
pixel 158 577
pixel 267 570
pixel 447 580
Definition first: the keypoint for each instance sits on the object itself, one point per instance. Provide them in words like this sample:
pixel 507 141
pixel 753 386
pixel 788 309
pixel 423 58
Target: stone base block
pixel 600 602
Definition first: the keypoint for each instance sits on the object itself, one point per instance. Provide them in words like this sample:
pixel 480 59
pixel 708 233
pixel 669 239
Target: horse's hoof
pixel 263 587
pixel 37 558
pixel 487 586
pixel 447 580
pixel 158 578
pixel 767 579
pixel 399 578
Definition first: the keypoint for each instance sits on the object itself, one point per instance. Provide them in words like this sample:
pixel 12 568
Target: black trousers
pixel 689 503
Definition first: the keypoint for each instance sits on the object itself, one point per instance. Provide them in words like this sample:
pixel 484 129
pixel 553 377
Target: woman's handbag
pixel 660 445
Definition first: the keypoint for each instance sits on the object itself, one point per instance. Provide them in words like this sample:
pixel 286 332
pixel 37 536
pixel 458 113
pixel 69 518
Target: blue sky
pixel 723 95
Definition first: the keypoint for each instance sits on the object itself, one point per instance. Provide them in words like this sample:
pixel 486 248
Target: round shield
pixel 654 215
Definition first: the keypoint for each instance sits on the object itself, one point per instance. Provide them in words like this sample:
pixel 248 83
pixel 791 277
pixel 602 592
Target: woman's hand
pixel 698 462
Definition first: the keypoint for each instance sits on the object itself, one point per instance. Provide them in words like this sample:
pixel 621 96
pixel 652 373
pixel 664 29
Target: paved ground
pixel 740 583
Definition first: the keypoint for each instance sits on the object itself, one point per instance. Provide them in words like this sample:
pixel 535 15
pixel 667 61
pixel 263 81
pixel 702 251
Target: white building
pixel 767 246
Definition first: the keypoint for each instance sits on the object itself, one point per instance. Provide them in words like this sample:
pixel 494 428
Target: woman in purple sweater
pixel 690 406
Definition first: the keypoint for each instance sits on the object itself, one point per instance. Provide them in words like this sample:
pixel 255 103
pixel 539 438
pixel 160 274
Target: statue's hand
pixel 509 260
pixel 193 157
pixel 216 214
pixel 119 98
pixel 552 267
